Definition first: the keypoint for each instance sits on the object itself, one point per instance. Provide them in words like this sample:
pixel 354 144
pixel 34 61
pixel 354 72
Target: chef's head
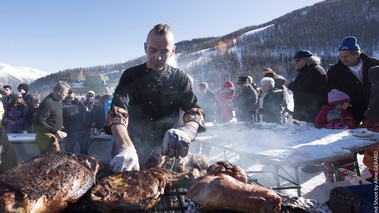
pixel 159 47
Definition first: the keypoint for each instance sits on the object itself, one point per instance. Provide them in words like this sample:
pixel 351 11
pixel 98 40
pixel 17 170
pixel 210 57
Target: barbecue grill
pixel 174 201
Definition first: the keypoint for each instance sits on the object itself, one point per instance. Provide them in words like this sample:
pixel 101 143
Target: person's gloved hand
pixel 176 142
pixel 125 160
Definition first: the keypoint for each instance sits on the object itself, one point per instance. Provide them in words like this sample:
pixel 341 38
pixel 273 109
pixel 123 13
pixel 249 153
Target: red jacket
pixel 226 98
pixel 331 119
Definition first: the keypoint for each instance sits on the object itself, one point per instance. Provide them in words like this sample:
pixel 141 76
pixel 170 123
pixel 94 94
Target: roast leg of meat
pixel 225 193
pixel 128 191
pixel 223 167
pixel 46 183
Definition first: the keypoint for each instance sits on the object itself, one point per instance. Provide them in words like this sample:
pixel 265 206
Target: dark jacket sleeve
pixel 312 79
pixel 8 157
pixel 372 114
pixel 321 119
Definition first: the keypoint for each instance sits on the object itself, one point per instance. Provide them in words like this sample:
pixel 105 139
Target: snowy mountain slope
pixel 15 75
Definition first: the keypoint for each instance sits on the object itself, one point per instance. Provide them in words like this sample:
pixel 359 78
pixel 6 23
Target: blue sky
pixel 53 35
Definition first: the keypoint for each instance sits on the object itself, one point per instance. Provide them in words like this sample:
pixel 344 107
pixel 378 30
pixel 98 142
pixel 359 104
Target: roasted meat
pixel 132 190
pixel 223 167
pixel 46 183
pixel 225 193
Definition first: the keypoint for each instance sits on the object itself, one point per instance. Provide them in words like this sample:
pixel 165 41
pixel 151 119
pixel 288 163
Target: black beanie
pixel 373 74
pixel 23 86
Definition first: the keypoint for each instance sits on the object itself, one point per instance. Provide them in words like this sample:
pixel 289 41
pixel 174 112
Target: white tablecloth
pixel 287 144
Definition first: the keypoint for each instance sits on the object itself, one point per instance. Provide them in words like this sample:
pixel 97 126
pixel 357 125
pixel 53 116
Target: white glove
pixel 176 143
pixel 125 160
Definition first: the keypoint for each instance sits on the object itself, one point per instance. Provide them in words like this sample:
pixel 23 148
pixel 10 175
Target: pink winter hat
pixel 337 97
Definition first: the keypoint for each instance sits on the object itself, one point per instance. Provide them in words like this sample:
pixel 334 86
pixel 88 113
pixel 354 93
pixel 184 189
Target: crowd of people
pixel 59 113
pixel 143 115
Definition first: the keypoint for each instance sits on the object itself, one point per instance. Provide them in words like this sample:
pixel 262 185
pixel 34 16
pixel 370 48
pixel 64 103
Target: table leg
pixel 356 168
pixel 297 178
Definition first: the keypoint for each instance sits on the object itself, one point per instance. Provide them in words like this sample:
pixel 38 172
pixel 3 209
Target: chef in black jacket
pixel 146 105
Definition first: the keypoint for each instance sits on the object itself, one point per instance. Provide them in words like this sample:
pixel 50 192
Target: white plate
pixel 361 132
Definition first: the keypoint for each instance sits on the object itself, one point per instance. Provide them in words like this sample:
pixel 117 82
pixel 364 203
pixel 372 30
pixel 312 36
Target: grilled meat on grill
pixel 223 167
pixel 225 193
pixel 46 183
pixel 132 190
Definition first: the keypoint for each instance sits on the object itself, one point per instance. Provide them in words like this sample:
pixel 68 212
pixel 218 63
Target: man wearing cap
pixel 309 87
pixel 245 101
pixel 23 88
pixel 350 75
pixel 209 102
pixel 88 103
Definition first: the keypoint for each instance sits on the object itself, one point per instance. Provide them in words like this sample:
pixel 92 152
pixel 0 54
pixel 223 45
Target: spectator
pixel 226 97
pixel 335 116
pixel 74 123
pixel 31 114
pixel 146 106
pixel 279 80
pixel 372 120
pixel 245 101
pixel 49 119
pixel 96 116
pixel 107 101
pixel 251 81
pixel 350 75
pixel 15 114
pixel 309 88
pixel 8 97
pixel 28 98
pixel 71 97
pixel 88 103
pixel 309 91
pixel 270 102
pixel 209 102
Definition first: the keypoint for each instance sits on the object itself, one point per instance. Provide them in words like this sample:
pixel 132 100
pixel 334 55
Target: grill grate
pixel 173 201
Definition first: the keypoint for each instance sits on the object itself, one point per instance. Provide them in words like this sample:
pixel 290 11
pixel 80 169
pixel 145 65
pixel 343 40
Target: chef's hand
pixel 125 160
pixel 176 142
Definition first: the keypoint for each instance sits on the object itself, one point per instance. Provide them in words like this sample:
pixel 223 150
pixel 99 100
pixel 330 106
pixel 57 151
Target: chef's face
pixel 349 58
pixel 159 48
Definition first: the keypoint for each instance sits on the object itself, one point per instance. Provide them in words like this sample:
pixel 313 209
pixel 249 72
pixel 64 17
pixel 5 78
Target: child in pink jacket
pixel 335 116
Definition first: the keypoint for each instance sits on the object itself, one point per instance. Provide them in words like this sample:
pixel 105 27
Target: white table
pixel 22 138
pixel 289 146
pixel 26 147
